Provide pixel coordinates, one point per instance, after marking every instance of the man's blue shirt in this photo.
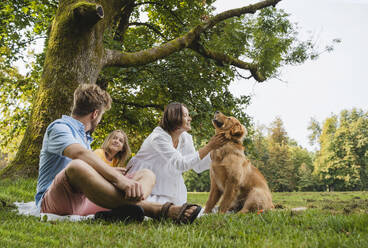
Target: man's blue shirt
(59, 134)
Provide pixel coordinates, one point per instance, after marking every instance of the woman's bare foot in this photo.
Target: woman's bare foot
(174, 212)
(184, 214)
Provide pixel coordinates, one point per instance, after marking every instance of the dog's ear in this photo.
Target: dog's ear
(237, 130)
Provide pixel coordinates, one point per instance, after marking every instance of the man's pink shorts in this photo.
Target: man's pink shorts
(62, 199)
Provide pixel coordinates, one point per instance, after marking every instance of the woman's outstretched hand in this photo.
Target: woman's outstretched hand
(217, 141)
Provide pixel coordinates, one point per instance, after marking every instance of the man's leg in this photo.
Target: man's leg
(145, 177)
(94, 186)
(84, 178)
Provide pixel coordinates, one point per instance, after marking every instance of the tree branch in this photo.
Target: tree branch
(163, 6)
(243, 77)
(142, 3)
(123, 25)
(140, 105)
(114, 11)
(118, 58)
(223, 59)
(250, 9)
(31, 40)
(150, 26)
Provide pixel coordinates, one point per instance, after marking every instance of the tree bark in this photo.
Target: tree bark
(74, 56)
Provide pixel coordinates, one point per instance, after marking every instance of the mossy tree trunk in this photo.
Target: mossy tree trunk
(75, 54)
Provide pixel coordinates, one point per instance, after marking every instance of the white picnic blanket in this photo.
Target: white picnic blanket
(30, 209)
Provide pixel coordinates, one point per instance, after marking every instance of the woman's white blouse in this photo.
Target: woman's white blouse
(158, 154)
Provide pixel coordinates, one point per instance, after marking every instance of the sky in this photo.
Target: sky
(318, 88)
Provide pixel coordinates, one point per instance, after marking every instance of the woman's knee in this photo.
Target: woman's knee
(147, 174)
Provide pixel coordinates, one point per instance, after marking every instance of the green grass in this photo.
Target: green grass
(335, 219)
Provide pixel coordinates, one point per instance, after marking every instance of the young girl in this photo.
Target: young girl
(115, 150)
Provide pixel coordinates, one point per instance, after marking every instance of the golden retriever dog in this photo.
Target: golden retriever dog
(241, 185)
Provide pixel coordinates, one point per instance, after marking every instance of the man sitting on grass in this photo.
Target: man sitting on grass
(69, 172)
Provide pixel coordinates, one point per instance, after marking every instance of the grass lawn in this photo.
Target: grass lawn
(333, 219)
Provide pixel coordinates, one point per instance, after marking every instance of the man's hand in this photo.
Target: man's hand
(121, 170)
(133, 190)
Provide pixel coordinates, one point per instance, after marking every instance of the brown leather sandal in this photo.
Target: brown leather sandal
(183, 219)
(164, 211)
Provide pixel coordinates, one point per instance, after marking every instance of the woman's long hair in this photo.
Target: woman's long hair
(122, 155)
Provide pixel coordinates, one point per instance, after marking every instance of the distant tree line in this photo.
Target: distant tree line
(340, 164)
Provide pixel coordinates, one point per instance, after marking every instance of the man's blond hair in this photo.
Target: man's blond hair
(88, 98)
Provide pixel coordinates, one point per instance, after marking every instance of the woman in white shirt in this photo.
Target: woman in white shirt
(169, 151)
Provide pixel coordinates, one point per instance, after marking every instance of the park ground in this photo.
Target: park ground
(332, 219)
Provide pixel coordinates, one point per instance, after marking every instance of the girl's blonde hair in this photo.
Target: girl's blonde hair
(122, 155)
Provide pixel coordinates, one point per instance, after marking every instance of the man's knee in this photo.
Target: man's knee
(76, 168)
